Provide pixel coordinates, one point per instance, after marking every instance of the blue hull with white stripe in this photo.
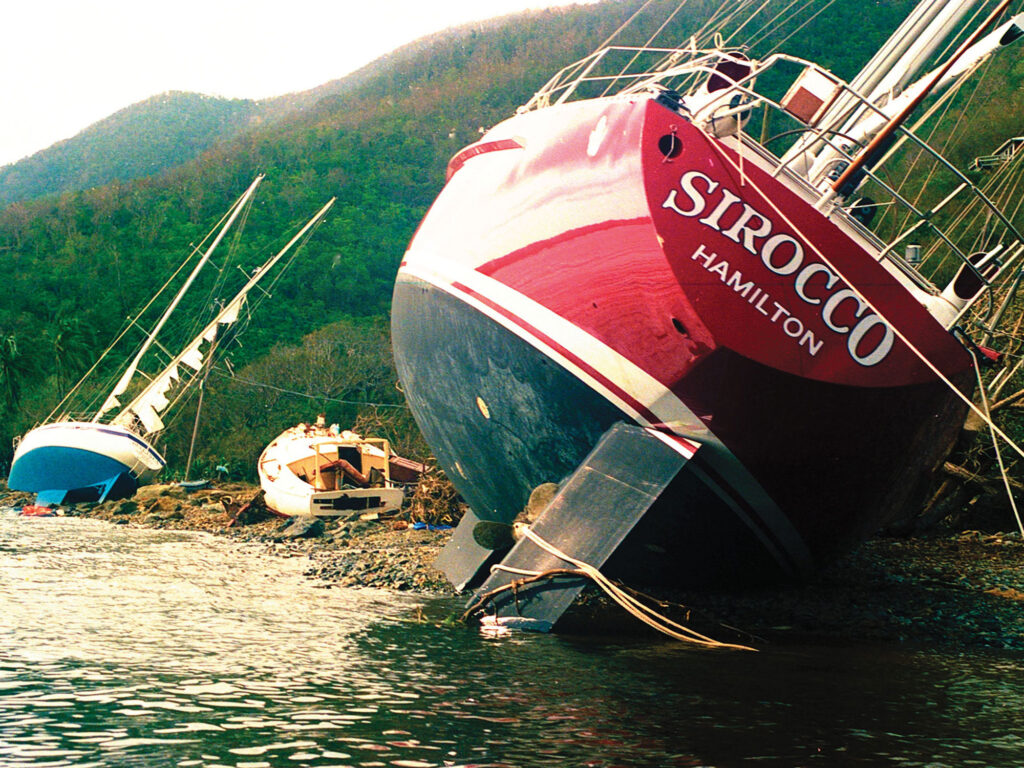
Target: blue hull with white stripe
(69, 462)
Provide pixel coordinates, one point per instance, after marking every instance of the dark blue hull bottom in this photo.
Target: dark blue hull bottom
(503, 418)
(61, 475)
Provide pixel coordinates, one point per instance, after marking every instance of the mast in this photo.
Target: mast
(126, 377)
(148, 404)
(893, 73)
(973, 51)
(891, 68)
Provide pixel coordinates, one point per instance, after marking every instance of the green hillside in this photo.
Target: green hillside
(141, 140)
(74, 266)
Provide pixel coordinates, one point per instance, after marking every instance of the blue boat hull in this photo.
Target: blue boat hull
(71, 462)
(61, 475)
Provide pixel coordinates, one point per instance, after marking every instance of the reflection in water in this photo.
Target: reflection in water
(124, 647)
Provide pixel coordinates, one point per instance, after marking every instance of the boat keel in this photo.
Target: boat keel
(591, 514)
(120, 486)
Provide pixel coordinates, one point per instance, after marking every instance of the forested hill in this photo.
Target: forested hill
(157, 134)
(74, 266)
(141, 140)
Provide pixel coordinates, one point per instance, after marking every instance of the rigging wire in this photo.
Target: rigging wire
(639, 51)
(211, 303)
(309, 396)
(995, 442)
(133, 321)
(185, 392)
(947, 103)
(947, 99)
(750, 18)
(714, 27)
(784, 40)
(773, 23)
(625, 24)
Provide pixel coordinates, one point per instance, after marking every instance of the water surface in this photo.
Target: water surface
(132, 647)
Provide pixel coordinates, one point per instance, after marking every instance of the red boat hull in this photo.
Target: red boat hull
(606, 260)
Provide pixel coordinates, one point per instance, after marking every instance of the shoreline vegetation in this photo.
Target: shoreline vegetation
(960, 589)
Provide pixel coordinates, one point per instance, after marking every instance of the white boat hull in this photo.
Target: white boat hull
(301, 473)
(331, 503)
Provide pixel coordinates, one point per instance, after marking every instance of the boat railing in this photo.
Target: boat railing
(950, 221)
(1004, 153)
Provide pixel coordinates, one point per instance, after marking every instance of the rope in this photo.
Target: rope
(634, 607)
(995, 444)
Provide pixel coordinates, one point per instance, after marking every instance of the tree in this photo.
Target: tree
(71, 347)
(14, 369)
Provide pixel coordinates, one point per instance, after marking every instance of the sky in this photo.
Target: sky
(66, 64)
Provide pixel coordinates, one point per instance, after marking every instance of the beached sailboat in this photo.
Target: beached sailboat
(111, 453)
(729, 369)
(313, 469)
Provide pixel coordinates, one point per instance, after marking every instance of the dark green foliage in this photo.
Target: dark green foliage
(343, 370)
(14, 371)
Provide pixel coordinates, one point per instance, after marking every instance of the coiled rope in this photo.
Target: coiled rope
(628, 602)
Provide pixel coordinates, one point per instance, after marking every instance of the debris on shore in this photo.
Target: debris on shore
(960, 589)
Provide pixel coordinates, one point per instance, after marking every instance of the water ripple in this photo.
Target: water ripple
(124, 647)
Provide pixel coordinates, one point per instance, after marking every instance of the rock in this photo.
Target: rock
(126, 507)
(147, 493)
(162, 506)
(161, 515)
(301, 527)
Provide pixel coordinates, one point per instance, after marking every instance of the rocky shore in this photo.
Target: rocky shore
(359, 549)
(959, 589)
(962, 589)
